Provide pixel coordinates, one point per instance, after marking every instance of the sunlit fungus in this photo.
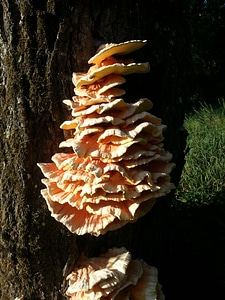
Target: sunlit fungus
(117, 166)
(113, 276)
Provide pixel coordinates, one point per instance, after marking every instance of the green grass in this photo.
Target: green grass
(203, 177)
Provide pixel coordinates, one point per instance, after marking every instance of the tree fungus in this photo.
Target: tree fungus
(117, 166)
(113, 276)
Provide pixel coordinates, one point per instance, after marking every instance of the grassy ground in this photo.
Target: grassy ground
(203, 178)
(196, 234)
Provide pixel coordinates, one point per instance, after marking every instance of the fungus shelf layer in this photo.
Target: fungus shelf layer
(118, 166)
(113, 275)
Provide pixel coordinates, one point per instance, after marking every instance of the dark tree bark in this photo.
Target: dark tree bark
(42, 43)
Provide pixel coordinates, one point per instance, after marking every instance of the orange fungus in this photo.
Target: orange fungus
(113, 275)
(117, 166)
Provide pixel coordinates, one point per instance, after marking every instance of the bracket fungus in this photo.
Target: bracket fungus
(113, 276)
(117, 166)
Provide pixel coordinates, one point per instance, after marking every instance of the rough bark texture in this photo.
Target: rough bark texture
(42, 43)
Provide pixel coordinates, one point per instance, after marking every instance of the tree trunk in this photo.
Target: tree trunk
(42, 43)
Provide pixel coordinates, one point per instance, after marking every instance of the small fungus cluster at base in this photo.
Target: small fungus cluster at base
(113, 276)
(117, 166)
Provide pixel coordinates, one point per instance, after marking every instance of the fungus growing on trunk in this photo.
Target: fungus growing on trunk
(117, 167)
(113, 276)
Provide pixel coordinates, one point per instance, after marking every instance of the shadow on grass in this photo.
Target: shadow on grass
(194, 266)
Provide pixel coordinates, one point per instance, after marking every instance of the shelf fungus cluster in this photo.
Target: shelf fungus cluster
(113, 276)
(117, 165)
